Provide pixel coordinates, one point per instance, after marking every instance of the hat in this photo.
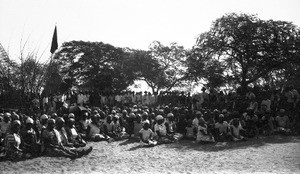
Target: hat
(71, 120)
(224, 111)
(124, 112)
(59, 119)
(198, 113)
(51, 120)
(71, 115)
(15, 116)
(146, 121)
(131, 115)
(170, 115)
(159, 117)
(16, 122)
(221, 116)
(44, 116)
(7, 114)
(29, 120)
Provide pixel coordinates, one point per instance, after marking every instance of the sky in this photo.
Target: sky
(122, 23)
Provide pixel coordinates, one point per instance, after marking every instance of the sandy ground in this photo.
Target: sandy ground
(266, 155)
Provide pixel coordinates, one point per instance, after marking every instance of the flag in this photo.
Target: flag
(54, 44)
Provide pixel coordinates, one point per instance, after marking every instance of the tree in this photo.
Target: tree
(247, 46)
(94, 65)
(169, 66)
(201, 67)
(19, 82)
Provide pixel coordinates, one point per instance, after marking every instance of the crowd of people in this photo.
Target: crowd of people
(207, 117)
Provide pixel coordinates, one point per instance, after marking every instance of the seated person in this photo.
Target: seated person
(4, 124)
(171, 127)
(83, 124)
(203, 136)
(30, 141)
(267, 124)
(13, 141)
(53, 143)
(170, 124)
(222, 129)
(161, 131)
(146, 135)
(60, 123)
(74, 136)
(118, 128)
(251, 124)
(94, 132)
(137, 125)
(190, 131)
(235, 129)
(282, 122)
(108, 127)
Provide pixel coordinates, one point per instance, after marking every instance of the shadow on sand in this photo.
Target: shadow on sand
(184, 145)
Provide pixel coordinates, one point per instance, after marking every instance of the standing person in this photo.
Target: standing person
(204, 98)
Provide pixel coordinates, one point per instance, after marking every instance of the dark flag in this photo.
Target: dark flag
(54, 44)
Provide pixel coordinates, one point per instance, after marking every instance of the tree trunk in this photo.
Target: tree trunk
(244, 86)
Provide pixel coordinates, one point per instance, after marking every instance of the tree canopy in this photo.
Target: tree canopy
(94, 65)
(247, 47)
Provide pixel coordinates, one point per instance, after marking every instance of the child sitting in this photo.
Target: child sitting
(235, 129)
(203, 136)
(161, 131)
(108, 127)
(251, 121)
(73, 135)
(83, 123)
(146, 135)
(118, 128)
(267, 122)
(222, 129)
(171, 127)
(190, 131)
(94, 130)
(137, 125)
(282, 123)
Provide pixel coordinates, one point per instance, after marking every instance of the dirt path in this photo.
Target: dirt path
(267, 155)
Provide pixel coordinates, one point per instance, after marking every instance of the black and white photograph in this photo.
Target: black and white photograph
(150, 86)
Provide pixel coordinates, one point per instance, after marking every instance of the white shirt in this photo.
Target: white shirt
(160, 128)
(146, 134)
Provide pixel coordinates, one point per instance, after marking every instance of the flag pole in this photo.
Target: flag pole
(53, 48)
